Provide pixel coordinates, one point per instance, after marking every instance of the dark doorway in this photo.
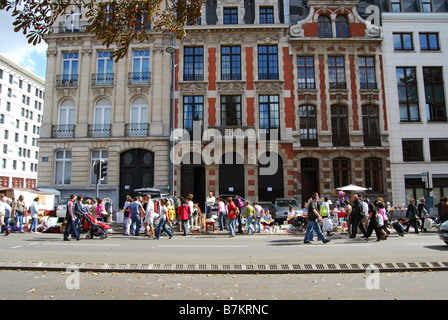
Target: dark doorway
(310, 177)
(193, 181)
(136, 171)
(231, 176)
(271, 186)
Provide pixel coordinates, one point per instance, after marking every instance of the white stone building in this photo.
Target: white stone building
(21, 109)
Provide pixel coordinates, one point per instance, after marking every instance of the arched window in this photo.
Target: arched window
(139, 118)
(66, 120)
(373, 174)
(324, 27)
(102, 117)
(341, 172)
(342, 27)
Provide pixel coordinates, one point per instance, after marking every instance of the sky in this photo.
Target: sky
(15, 47)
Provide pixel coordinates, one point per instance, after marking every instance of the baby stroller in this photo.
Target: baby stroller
(94, 227)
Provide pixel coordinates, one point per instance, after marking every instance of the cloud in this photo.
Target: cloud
(16, 48)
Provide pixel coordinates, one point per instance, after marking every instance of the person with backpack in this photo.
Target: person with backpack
(422, 213)
(240, 205)
(412, 215)
(327, 224)
(356, 217)
(373, 224)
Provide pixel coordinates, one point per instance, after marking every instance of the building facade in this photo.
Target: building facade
(21, 108)
(415, 42)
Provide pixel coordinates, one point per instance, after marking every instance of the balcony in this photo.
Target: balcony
(193, 77)
(98, 130)
(67, 81)
(137, 129)
(268, 76)
(338, 85)
(77, 26)
(102, 79)
(62, 131)
(139, 78)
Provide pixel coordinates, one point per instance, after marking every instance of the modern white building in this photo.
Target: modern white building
(21, 108)
(415, 52)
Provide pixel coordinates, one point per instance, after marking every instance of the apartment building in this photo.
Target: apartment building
(21, 110)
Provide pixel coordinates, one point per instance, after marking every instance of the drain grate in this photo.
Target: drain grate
(227, 268)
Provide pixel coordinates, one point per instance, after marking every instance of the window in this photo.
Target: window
(266, 15)
(341, 172)
(426, 6)
(373, 174)
(403, 42)
(267, 63)
(429, 41)
(231, 63)
(98, 155)
(407, 94)
(395, 5)
(438, 149)
(139, 118)
(367, 72)
(434, 93)
(305, 72)
(371, 126)
(104, 69)
(324, 27)
(102, 117)
(339, 126)
(308, 126)
(193, 111)
(66, 120)
(194, 64)
(413, 188)
(231, 110)
(70, 69)
(342, 27)
(230, 15)
(336, 72)
(412, 149)
(140, 68)
(63, 167)
(269, 114)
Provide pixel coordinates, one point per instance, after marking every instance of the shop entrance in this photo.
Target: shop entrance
(193, 182)
(271, 187)
(310, 177)
(136, 171)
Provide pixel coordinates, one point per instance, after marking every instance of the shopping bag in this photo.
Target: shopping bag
(327, 225)
(428, 223)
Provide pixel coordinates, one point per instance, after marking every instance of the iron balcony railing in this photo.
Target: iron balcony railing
(62, 131)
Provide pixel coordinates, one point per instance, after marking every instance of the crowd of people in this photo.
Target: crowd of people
(12, 213)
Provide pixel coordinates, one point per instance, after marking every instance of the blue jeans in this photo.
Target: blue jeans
(314, 226)
(221, 220)
(250, 228)
(162, 224)
(257, 223)
(19, 219)
(135, 224)
(68, 229)
(33, 225)
(232, 226)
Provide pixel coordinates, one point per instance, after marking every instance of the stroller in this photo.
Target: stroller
(94, 227)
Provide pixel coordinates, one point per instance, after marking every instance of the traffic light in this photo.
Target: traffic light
(96, 167)
(103, 170)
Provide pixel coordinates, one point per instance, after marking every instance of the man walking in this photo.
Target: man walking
(356, 217)
(71, 218)
(313, 225)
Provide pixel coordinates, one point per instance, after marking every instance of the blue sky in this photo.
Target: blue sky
(15, 47)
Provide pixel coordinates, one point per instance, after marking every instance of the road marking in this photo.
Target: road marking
(16, 247)
(200, 246)
(81, 244)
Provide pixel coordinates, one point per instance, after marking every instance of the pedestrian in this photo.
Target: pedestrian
(327, 224)
(171, 211)
(356, 217)
(238, 202)
(79, 213)
(411, 214)
(232, 213)
(70, 217)
(93, 207)
(19, 210)
(348, 212)
(257, 216)
(3, 213)
(443, 210)
(8, 210)
(148, 219)
(164, 219)
(209, 202)
(191, 205)
(250, 217)
(100, 211)
(381, 209)
(184, 214)
(136, 209)
(221, 213)
(127, 215)
(34, 211)
(372, 224)
(313, 225)
(422, 212)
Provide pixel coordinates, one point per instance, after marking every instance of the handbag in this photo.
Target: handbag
(104, 213)
(379, 220)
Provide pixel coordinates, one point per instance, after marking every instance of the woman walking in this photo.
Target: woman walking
(184, 213)
(34, 210)
(231, 213)
(164, 219)
(411, 214)
(371, 224)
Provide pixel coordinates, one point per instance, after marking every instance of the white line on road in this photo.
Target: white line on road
(16, 247)
(80, 244)
(200, 246)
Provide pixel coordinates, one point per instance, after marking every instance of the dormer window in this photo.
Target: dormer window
(342, 27)
(324, 27)
(230, 15)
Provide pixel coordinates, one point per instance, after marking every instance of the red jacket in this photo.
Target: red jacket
(183, 211)
(231, 210)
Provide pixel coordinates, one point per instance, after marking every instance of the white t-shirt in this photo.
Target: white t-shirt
(163, 212)
(210, 201)
(258, 209)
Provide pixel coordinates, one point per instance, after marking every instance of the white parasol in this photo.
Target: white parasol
(351, 187)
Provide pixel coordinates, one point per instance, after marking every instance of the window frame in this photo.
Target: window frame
(408, 85)
(305, 72)
(194, 64)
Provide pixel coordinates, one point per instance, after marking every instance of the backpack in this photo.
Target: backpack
(323, 211)
(240, 203)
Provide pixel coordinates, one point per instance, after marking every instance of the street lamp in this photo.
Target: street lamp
(171, 50)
